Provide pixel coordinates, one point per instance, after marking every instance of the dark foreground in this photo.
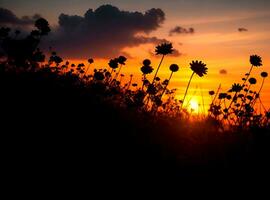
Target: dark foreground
(61, 134)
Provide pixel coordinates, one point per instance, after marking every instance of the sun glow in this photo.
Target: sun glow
(194, 106)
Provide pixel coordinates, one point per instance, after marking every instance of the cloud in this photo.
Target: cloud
(7, 17)
(180, 30)
(223, 71)
(104, 32)
(242, 29)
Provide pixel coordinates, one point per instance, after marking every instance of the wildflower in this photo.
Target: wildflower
(174, 67)
(199, 68)
(113, 63)
(236, 87)
(222, 96)
(255, 60)
(99, 76)
(122, 60)
(252, 81)
(146, 62)
(264, 74)
(90, 60)
(211, 93)
(147, 69)
(164, 49)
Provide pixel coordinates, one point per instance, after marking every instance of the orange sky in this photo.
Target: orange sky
(216, 40)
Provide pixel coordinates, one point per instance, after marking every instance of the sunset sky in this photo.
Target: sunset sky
(226, 33)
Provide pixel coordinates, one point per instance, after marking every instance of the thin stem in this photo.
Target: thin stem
(117, 74)
(166, 85)
(247, 76)
(258, 92)
(187, 90)
(158, 68)
(219, 87)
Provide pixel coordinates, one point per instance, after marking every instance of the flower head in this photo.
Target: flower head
(252, 81)
(147, 62)
(211, 93)
(236, 87)
(255, 60)
(147, 69)
(122, 60)
(174, 67)
(199, 68)
(113, 63)
(164, 49)
(264, 74)
(90, 60)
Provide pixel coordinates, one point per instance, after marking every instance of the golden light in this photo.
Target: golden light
(194, 106)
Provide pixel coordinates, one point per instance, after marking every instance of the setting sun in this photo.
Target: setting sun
(194, 106)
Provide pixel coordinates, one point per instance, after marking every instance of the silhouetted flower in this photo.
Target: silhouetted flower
(199, 68)
(122, 60)
(211, 93)
(222, 95)
(90, 60)
(146, 62)
(236, 87)
(113, 63)
(229, 97)
(164, 49)
(255, 60)
(147, 69)
(264, 74)
(99, 76)
(174, 68)
(252, 81)
(249, 97)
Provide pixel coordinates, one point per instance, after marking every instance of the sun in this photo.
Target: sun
(194, 106)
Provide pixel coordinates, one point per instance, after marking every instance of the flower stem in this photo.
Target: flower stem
(158, 68)
(166, 85)
(247, 76)
(187, 90)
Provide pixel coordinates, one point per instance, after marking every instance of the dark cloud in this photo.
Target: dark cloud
(223, 71)
(7, 17)
(104, 32)
(242, 29)
(181, 30)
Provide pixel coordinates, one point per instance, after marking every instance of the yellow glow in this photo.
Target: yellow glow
(194, 106)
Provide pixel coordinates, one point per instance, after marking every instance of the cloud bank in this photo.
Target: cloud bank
(104, 32)
(8, 18)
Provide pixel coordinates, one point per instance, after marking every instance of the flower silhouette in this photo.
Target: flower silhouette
(122, 60)
(174, 67)
(264, 74)
(164, 49)
(147, 69)
(199, 68)
(255, 60)
(236, 87)
(113, 63)
(252, 81)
